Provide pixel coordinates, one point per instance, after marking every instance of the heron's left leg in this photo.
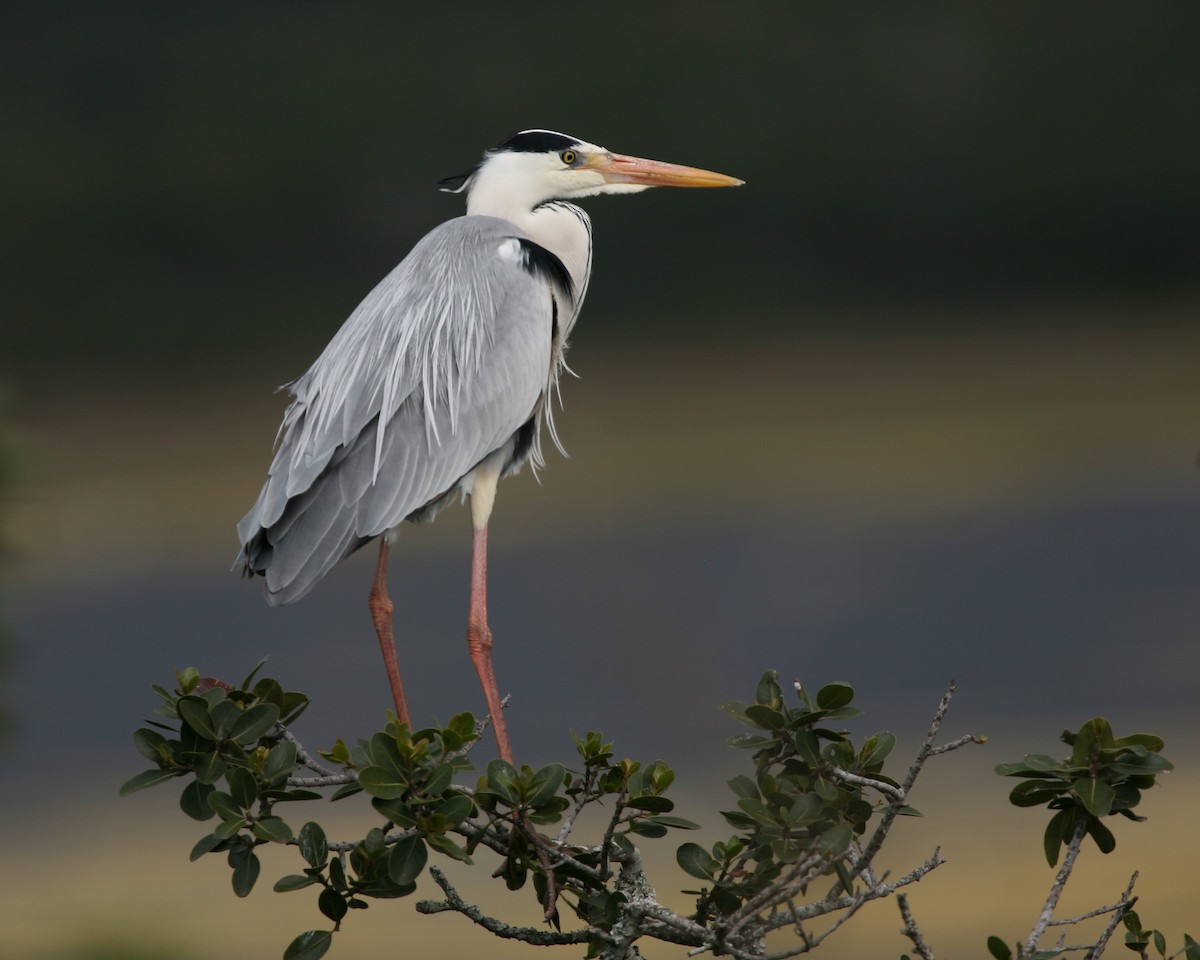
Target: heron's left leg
(479, 636)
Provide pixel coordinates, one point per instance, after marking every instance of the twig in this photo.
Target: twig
(306, 759)
(1123, 906)
(927, 750)
(777, 892)
(480, 725)
(1099, 911)
(1056, 888)
(830, 904)
(885, 788)
(455, 903)
(910, 928)
(329, 780)
(585, 796)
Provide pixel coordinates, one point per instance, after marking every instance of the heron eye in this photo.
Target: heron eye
(568, 157)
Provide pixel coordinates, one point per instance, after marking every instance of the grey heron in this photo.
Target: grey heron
(440, 381)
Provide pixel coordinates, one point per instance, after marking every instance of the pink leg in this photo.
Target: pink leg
(380, 606)
(479, 640)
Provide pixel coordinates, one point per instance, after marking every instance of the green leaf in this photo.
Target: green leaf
(999, 949)
(749, 741)
(768, 689)
(651, 804)
(147, 778)
(194, 801)
(545, 784)
(210, 767)
(1034, 793)
(765, 717)
(502, 780)
(439, 779)
(456, 808)
(758, 811)
(877, 748)
(444, 844)
(696, 862)
(224, 805)
(242, 787)
(254, 723)
(194, 712)
(463, 724)
(834, 695)
(187, 678)
(224, 712)
(205, 844)
(332, 904)
(678, 822)
(310, 945)
(245, 873)
(1191, 949)
(382, 783)
(293, 881)
(737, 710)
(743, 786)
(280, 761)
(836, 840)
(273, 829)
(1054, 835)
(1095, 795)
(1102, 835)
(407, 859)
(149, 743)
(313, 846)
(227, 829)
(251, 675)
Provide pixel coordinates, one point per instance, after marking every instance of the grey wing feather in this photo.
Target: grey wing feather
(442, 364)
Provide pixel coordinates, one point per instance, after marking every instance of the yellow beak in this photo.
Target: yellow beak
(617, 168)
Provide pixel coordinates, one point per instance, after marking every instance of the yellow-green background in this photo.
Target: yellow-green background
(920, 402)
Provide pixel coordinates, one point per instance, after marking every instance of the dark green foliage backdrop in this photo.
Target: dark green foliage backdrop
(221, 182)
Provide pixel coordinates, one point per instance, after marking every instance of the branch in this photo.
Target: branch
(885, 788)
(1056, 888)
(305, 758)
(455, 903)
(1122, 907)
(927, 750)
(329, 780)
(910, 928)
(796, 914)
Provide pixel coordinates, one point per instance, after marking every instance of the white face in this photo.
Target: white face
(533, 178)
(524, 179)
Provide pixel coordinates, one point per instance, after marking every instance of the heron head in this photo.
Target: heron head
(534, 166)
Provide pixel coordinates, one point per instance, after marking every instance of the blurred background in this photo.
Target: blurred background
(919, 402)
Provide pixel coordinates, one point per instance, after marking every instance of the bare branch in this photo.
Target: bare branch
(1122, 907)
(1056, 888)
(926, 751)
(306, 759)
(911, 930)
(328, 780)
(885, 788)
(584, 798)
(955, 744)
(831, 904)
(455, 903)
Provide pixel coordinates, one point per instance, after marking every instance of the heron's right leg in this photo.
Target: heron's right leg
(479, 634)
(380, 605)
